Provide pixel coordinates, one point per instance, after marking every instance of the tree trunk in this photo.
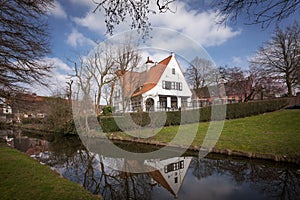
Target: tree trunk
(111, 94)
(289, 87)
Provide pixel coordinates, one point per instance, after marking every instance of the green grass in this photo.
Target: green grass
(21, 177)
(276, 133)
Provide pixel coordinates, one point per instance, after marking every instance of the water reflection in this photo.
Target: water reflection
(179, 177)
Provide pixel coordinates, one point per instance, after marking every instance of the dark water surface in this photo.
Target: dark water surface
(186, 177)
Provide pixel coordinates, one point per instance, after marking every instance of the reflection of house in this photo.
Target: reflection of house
(31, 146)
(160, 86)
(170, 173)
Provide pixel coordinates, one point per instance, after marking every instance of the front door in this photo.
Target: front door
(149, 105)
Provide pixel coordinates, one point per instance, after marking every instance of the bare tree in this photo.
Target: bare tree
(108, 93)
(23, 43)
(237, 83)
(263, 84)
(198, 73)
(127, 60)
(82, 95)
(138, 10)
(262, 12)
(101, 65)
(280, 56)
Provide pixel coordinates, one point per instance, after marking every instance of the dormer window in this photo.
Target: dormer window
(173, 70)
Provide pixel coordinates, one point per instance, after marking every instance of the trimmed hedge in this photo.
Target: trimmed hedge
(128, 121)
(34, 121)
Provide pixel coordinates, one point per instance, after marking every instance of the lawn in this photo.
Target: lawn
(22, 177)
(275, 133)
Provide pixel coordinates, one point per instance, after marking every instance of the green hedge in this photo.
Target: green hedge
(233, 111)
(33, 121)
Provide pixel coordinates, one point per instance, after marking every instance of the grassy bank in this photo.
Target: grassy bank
(21, 177)
(276, 133)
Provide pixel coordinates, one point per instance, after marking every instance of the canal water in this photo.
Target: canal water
(185, 177)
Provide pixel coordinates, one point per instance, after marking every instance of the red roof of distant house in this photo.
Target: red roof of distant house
(31, 97)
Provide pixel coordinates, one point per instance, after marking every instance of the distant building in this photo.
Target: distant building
(159, 86)
(224, 93)
(32, 106)
(6, 112)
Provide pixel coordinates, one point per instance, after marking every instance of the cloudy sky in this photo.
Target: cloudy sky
(74, 29)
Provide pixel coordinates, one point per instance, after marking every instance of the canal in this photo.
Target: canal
(185, 177)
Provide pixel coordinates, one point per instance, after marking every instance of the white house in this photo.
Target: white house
(160, 86)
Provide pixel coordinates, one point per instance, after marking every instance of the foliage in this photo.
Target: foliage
(241, 110)
(107, 110)
(24, 42)
(33, 121)
(60, 118)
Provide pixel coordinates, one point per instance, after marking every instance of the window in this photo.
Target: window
(173, 86)
(173, 70)
(168, 85)
(176, 179)
(174, 166)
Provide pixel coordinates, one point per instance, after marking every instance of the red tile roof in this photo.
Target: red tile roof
(144, 88)
(137, 83)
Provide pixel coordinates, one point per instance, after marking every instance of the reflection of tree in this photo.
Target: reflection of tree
(89, 170)
(69, 156)
(279, 183)
(274, 181)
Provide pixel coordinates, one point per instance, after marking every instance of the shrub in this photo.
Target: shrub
(34, 120)
(143, 119)
(107, 110)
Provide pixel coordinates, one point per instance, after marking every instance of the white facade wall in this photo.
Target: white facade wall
(158, 90)
(169, 76)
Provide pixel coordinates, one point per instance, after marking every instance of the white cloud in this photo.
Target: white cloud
(237, 61)
(57, 77)
(92, 21)
(58, 64)
(58, 11)
(76, 39)
(200, 26)
(87, 3)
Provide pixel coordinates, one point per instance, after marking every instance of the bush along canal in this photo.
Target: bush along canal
(185, 177)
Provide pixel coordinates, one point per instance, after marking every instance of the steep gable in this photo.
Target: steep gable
(137, 83)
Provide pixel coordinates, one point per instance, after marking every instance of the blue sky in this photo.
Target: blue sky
(74, 28)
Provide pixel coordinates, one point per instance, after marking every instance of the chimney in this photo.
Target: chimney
(172, 53)
(149, 63)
